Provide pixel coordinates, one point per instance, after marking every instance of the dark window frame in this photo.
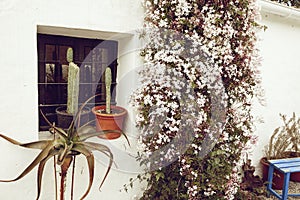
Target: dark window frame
(88, 55)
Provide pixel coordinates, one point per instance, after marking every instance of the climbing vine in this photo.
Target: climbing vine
(199, 79)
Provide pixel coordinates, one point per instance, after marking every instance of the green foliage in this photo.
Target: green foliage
(165, 184)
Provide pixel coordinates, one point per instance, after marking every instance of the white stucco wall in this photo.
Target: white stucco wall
(20, 20)
(279, 48)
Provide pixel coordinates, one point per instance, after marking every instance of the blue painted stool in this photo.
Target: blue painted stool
(286, 166)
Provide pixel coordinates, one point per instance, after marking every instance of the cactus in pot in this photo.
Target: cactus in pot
(65, 114)
(109, 117)
(107, 87)
(73, 84)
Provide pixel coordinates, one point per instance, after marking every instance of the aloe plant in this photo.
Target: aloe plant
(64, 147)
(107, 88)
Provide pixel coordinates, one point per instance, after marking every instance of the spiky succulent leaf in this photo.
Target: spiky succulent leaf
(85, 136)
(32, 145)
(91, 165)
(77, 116)
(86, 130)
(10, 139)
(40, 177)
(36, 145)
(106, 151)
(42, 155)
(41, 167)
(53, 128)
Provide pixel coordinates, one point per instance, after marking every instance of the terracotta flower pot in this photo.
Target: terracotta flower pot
(113, 121)
(64, 119)
(278, 177)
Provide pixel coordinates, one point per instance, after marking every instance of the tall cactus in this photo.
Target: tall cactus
(107, 87)
(73, 84)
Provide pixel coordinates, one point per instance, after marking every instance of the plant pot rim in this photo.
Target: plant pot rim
(62, 110)
(288, 154)
(101, 107)
(264, 160)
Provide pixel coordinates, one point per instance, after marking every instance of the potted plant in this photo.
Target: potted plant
(283, 144)
(109, 117)
(65, 114)
(64, 147)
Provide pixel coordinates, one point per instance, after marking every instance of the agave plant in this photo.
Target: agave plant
(64, 147)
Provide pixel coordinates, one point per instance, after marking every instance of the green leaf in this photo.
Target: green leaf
(159, 175)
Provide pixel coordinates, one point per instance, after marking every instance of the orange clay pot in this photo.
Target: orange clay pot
(113, 121)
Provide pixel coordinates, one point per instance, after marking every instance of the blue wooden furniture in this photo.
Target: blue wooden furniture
(286, 166)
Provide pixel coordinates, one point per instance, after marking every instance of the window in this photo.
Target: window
(91, 55)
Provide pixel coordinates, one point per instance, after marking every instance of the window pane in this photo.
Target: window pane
(50, 53)
(50, 73)
(89, 54)
(64, 77)
(63, 54)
